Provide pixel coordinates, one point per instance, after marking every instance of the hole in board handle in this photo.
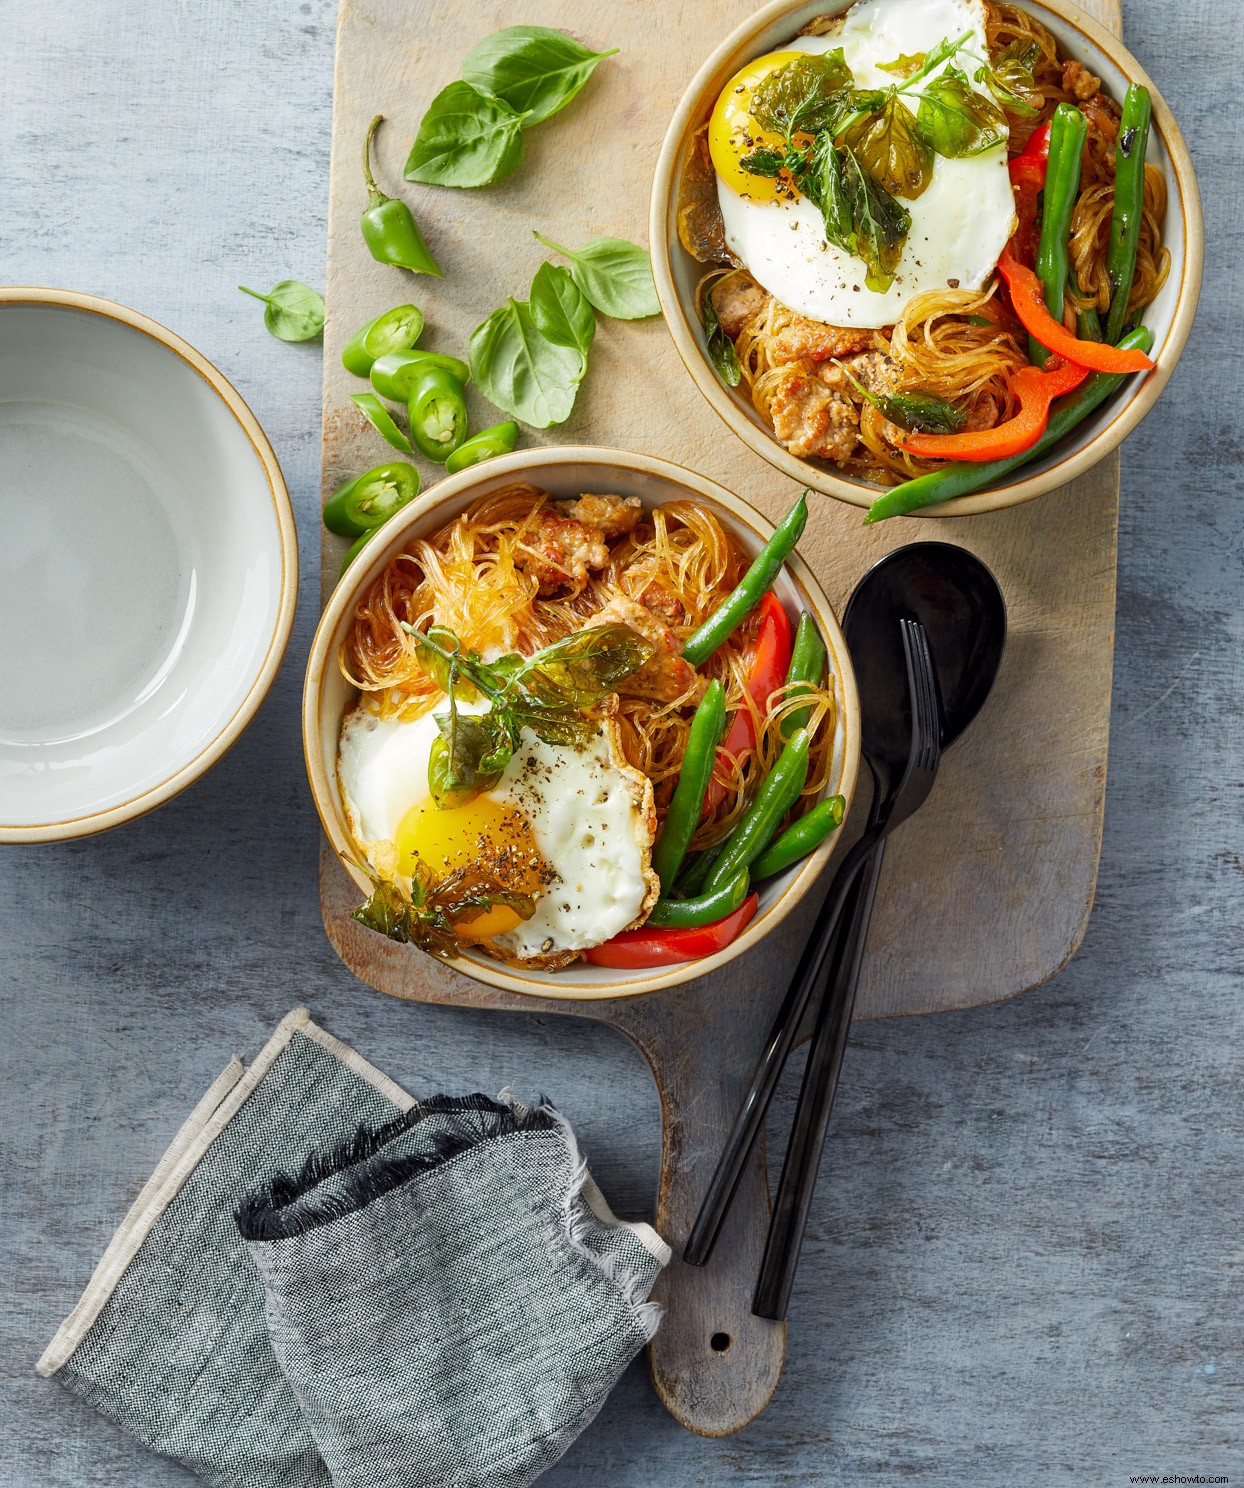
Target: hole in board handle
(720, 1342)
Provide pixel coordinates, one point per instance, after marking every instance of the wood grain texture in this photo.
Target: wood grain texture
(1027, 868)
(1024, 1259)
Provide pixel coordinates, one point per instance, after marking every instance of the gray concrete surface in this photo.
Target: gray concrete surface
(1024, 1263)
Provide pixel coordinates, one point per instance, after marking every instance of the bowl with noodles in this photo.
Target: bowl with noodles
(498, 716)
(855, 244)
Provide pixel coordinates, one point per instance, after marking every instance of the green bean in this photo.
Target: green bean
(807, 667)
(693, 878)
(684, 914)
(1088, 324)
(1068, 131)
(801, 838)
(1129, 203)
(778, 792)
(697, 767)
(964, 477)
(751, 589)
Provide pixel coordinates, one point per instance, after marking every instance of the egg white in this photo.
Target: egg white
(591, 816)
(959, 225)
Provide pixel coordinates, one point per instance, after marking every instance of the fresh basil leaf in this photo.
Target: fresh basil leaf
(585, 667)
(905, 65)
(1009, 78)
(955, 120)
(534, 69)
(889, 147)
(881, 224)
(804, 96)
(615, 275)
(561, 311)
(720, 348)
(466, 138)
(292, 311)
(521, 371)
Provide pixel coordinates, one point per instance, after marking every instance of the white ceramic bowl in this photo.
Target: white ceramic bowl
(148, 569)
(569, 472)
(1169, 317)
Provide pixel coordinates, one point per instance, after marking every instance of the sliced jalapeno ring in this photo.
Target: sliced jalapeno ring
(367, 501)
(499, 440)
(438, 414)
(396, 330)
(379, 417)
(394, 376)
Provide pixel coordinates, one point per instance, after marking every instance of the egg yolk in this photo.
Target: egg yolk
(733, 133)
(481, 834)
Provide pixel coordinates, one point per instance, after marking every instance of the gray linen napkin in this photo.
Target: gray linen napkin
(440, 1298)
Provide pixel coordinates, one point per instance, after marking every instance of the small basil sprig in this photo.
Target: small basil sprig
(466, 138)
(918, 413)
(546, 693)
(292, 311)
(472, 132)
(520, 370)
(560, 310)
(720, 348)
(616, 276)
(534, 69)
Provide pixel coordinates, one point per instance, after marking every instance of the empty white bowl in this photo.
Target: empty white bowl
(148, 565)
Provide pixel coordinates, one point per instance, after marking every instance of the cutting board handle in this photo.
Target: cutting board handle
(714, 1365)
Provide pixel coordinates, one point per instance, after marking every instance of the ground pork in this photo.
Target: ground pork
(564, 545)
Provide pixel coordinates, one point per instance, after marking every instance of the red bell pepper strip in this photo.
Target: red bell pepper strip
(767, 673)
(1028, 302)
(1035, 389)
(1027, 180)
(633, 949)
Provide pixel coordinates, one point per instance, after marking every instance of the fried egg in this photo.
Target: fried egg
(571, 828)
(959, 224)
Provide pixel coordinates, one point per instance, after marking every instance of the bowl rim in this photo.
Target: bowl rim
(156, 795)
(525, 464)
(663, 240)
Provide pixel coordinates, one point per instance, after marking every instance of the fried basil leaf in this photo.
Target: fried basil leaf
(905, 65)
(889, 147)
(438, 652)
(388, 912)
(429, 917)
(469, 757)
(719, 346)
(828, 190)
(803, 97)
(467, 893)
(918, 413)
(1009, 78)
(880, 223)
(955, 120)
(764, 162)
(583, 668)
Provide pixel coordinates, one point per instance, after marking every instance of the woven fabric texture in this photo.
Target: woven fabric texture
(439, 1303)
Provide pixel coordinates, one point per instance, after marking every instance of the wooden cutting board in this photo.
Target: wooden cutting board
(987, 892)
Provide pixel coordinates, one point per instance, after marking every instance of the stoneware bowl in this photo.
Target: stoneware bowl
(569, 472)
(1169, 317)
(148, 569)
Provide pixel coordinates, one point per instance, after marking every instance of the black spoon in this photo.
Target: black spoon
(957, 600)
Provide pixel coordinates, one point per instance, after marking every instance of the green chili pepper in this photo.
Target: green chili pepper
(394, 376)
(355, 548)
(801, 838)
(367, 501)
(1068, 131)
(388, 226)
(684, 914)
(1129, 203)
(807, 667)
(499, 440)
(379, 417)
(395, 330)
(752, 587)
(698, 760)
(438, 414)
(778, 792)
(964, 477)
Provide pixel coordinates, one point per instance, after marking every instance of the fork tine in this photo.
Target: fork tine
(926, 722)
